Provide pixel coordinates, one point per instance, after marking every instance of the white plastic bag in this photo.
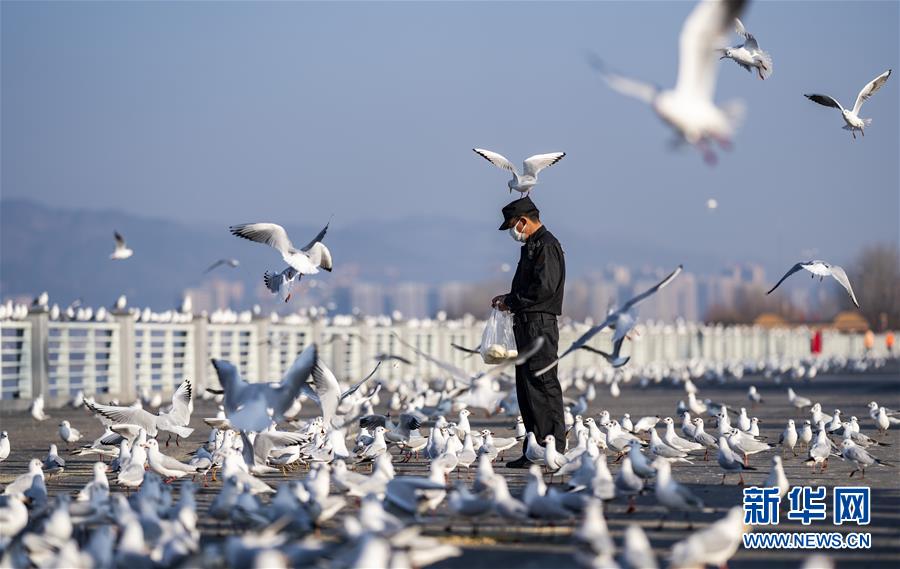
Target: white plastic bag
(498, 343)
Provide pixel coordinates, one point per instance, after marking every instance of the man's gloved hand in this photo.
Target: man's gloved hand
(499, 302)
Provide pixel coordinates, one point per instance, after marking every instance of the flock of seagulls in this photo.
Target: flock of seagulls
(688, 107)
(347, 449)
(351, 458)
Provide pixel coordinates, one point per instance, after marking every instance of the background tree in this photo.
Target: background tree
(875, 276)
(751, 301)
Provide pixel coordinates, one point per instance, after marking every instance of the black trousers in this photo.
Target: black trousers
(540, 398)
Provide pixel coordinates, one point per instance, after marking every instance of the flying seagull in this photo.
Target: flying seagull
(689, 108)
(306, 261)
(122, 251)
(748, 55)
(524, 182)
(175, 420)
(323, 387)
(253, 406)
(822, 270)
(233, 263)
(622, 320)
(851, 117)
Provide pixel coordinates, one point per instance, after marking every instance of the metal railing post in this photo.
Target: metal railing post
(127, 380)
(40, 357)
(201, 352)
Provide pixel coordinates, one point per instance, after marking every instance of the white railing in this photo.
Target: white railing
(15, 369)
(82, 356)
(283, 343)
(122, 358)
(163, 355)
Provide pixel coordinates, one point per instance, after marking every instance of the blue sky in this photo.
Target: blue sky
(231, 112)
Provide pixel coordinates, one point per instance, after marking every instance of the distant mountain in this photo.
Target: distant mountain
(66, 252)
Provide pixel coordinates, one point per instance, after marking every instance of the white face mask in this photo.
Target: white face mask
(517, 235)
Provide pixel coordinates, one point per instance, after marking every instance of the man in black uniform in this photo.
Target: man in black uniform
(535, 300)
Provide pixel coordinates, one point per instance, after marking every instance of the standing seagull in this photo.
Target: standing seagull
(233, 263)
(122, 251)
(306, 261)
(524, 182)
(748, 55)
(689, 107)
(622, 320)
(851, 117)
(822, 270)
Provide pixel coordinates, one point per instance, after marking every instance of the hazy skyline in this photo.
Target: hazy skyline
(289, 112)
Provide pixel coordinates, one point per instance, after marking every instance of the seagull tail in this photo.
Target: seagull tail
(765, 65)
(183, 432)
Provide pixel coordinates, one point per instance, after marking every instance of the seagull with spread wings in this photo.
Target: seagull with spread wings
(689, 107)
(253, 406)
(851, 116)
(175, 420)
(622, 320)
(748, 55)
(528, 179)
(305, 261)
(122, 251)
(323, 388)
(821, 269)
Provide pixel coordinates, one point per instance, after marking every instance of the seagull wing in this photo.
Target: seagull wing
(456, 372)
(652, 290)
(538, 162)
(624, 85)
(632, 87)
(270, 234)
(870, 89)
(751, 44)
(703, 31)
(282, 397)
(356, 387)
(181, 401)
(497, 160)
(318, 238)
(120, 241)
(476, 350)
(214, 265)
(327, 389)
(791, 271)
(841, 277)
(824, 100)
(320, 256)
(128, 415)
(249, 451)
(740, 30)
(593, 350)
(577, 344)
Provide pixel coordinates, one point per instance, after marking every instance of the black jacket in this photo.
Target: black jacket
(540, 276)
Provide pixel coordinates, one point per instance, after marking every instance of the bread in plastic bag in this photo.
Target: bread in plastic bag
(498, 343)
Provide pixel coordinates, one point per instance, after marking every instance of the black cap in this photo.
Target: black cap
(516, 209)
